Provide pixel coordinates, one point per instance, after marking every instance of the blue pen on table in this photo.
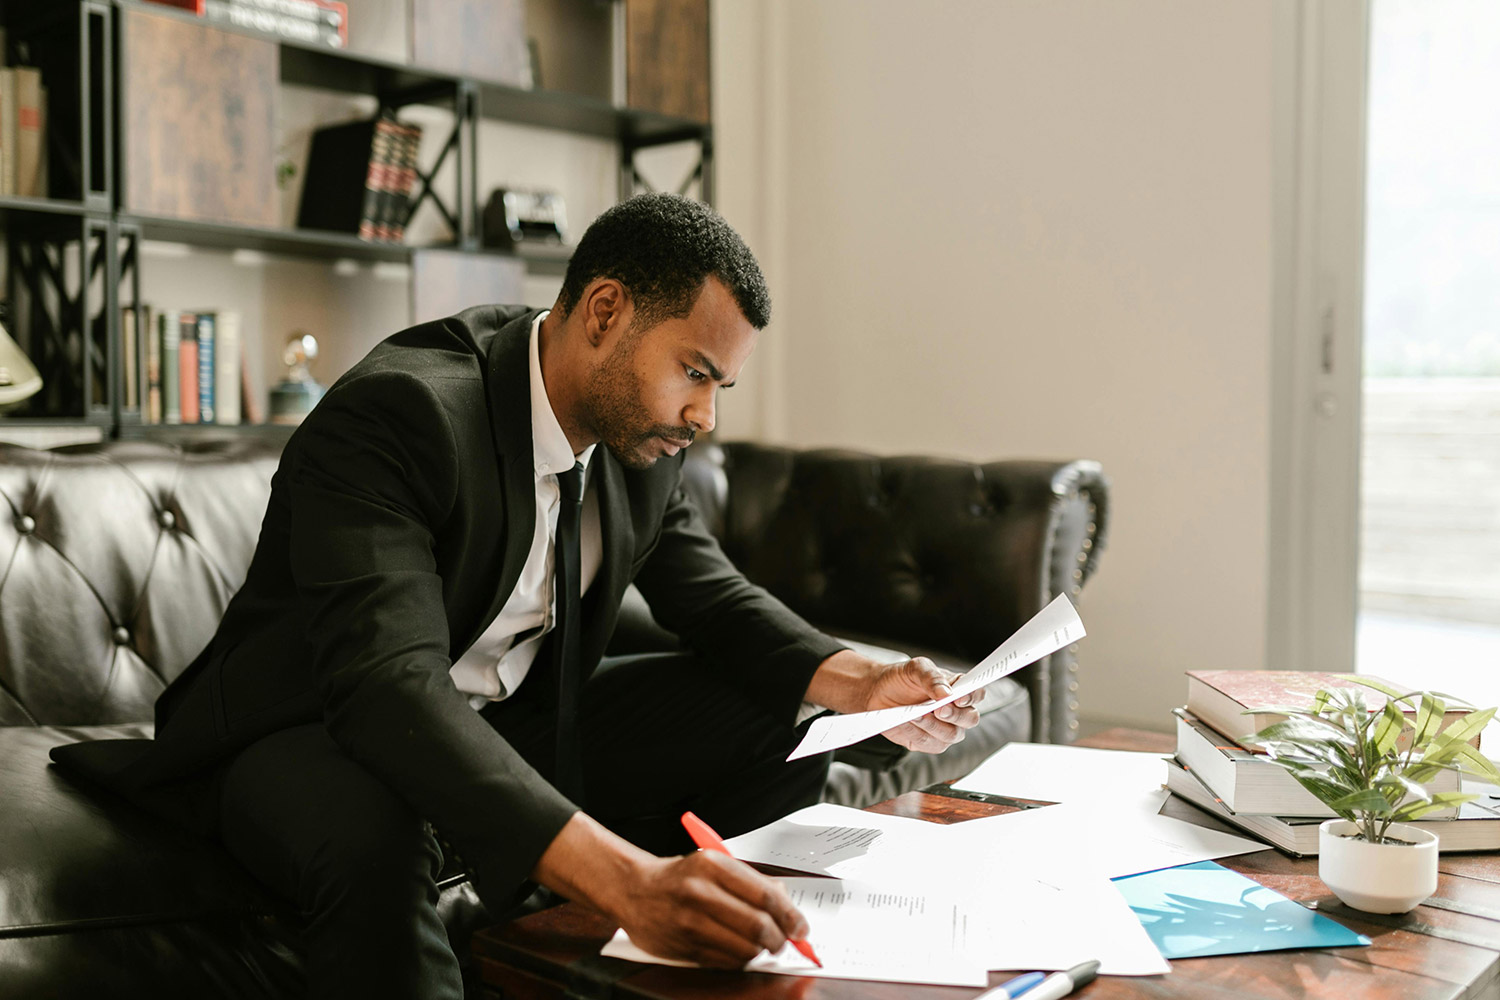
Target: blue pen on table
(1060, 984)
(1012, 988)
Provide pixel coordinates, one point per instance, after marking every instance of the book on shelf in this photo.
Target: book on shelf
(207, 349)
(353, 179)
(171, 380)
(188, 368)
(1221, 697)
(1249, 782)
(1477, 827)
(228, 359)
(130, 353)
(316, 22)
(153, 412)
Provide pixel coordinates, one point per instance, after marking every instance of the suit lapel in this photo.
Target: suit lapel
(508, 391)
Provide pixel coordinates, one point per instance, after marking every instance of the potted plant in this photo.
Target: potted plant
(1371, 768)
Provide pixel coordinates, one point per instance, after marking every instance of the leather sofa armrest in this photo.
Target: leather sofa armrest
(917, 551)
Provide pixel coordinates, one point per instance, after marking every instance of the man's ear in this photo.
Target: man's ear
(607, 309)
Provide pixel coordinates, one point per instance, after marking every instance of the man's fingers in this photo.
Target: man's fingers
(761, 908)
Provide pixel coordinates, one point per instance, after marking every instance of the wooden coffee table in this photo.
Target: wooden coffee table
(1447, 948)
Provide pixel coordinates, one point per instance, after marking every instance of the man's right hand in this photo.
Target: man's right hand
(710, 909)
(705, 907)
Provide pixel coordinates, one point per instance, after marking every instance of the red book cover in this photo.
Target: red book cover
(187, 366)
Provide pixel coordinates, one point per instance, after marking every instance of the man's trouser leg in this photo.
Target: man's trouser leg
(324, 833)
(662, 733)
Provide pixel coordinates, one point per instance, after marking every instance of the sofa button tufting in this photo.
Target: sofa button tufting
(167, 520)
(25, 524)
(121, 635)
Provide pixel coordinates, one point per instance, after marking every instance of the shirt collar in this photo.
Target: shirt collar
(551, 453)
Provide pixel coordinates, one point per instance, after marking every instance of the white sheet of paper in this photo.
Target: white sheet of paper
(826, 839)
(1090, 837)
(1054, 773)
(1058, 920)
(865, 932)
(1049, 630)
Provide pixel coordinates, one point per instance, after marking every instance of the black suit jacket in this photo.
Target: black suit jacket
(399, 520)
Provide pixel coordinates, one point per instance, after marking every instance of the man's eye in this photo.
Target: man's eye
(694, 375)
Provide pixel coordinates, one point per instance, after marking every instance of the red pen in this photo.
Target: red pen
(703, 835)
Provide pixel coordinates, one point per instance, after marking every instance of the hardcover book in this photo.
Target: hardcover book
(1221, 697)
(1248, 782)
(1477, 827)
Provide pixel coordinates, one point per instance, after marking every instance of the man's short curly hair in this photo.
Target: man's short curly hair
(662, 247)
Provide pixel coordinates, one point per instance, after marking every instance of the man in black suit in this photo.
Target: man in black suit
(386, 675)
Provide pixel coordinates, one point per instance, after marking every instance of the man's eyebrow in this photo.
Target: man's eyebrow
(701, 360)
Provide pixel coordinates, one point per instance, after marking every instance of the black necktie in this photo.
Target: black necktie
(569, 770)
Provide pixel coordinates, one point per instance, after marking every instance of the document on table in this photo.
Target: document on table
(1049, 630)
(1054, 773)
(862, 931)
(826, 839)
(1036, 919)
(1057, 920)
(1094, 837)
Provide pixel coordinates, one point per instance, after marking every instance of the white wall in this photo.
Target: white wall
(1034, 228)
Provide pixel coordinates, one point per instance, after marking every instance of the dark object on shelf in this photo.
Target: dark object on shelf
(514, 216)
(359, 178)
(294, 396)
(479, 38)
(666, 57)
(198, 106)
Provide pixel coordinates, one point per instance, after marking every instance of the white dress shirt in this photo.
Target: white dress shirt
(494, 667)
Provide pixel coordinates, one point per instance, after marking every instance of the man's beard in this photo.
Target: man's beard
(612, 397)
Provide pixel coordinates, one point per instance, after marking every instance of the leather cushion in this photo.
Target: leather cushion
(77, 857)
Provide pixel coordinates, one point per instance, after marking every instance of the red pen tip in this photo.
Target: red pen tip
(807, 952)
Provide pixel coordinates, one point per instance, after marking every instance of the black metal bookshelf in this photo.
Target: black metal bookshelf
(80, 250)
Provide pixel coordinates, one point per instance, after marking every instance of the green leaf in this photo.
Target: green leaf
(1429, 720)
(1392, 722)
(1461, 731)
(1325, 790)
(1409, 789)
(1372, 684)
(1303, 728)
(1366, 800)
(1480, 766)
(1443, 800)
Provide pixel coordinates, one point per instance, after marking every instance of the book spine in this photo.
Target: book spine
(130, 356)
(9, 135)
(206, 345)
(187, 366)
(153, 368)
(387, 139)
(369, 215)
(410, 147)
(29, 134)
(315, 25)
(227, 358)
(171, 379)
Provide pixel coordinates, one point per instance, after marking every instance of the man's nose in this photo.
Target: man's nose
(700, 414)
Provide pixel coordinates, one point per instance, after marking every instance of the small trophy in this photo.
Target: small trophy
(295, 395)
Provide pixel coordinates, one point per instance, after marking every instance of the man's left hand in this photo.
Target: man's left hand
(848, 682)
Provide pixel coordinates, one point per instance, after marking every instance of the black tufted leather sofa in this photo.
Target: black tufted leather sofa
(119, 558)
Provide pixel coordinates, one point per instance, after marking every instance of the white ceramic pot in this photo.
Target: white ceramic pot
(1378, 878)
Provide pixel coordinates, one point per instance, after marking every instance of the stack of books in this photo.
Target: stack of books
(193, 368)
(360, 177)
(1219, 769)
